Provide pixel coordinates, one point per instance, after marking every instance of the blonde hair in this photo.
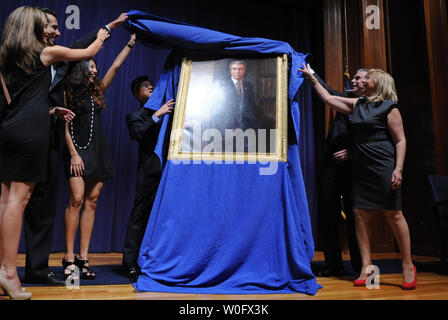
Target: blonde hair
(384, 84)
(22, 40)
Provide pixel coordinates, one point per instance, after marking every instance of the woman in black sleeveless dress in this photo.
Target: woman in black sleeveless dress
(87, 158)
(378, 153)
(25, 125)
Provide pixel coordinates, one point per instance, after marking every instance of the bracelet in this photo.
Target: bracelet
(313, 81)
(401, 169)
(130, 46)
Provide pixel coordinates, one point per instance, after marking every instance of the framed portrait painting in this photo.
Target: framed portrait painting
(232, 109)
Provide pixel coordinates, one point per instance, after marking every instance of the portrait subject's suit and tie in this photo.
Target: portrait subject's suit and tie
(232, 107)
(229, 119)
(234, 110)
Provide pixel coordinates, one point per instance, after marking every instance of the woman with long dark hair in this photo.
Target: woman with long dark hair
(87, 159)
(25, 125)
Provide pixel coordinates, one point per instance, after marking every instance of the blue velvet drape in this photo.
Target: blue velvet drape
(224, 228)
(294, 25)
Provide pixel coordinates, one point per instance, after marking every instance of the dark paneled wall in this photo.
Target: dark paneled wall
(409, 56)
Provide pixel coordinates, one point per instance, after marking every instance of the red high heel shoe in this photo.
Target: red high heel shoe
(359, 283)
(362, 283)
(411, 285)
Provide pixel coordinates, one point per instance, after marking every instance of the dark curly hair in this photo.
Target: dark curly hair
(78, 86)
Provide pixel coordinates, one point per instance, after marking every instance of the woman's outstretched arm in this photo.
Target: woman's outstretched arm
(341, 104)
(54, 54)
(111, 73)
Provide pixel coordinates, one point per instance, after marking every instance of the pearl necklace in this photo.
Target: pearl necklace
(91, 128)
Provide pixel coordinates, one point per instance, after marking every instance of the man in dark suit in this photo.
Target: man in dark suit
(41, 209)
(144, 126)
(232, 104)
(335, 187)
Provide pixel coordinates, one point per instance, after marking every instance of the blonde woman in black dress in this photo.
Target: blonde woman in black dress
(87, 159)
(25, 127)
(378, 153)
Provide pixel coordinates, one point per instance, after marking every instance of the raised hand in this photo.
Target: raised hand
(166, 108)
(132, 39)
(102, 34)
(306, 70)
(119, 21)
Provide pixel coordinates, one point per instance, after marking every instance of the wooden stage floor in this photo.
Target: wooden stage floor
(430, 286)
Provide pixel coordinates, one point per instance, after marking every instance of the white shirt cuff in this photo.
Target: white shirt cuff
(156, 119)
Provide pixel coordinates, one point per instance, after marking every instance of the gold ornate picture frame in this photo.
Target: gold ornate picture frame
(211, 102)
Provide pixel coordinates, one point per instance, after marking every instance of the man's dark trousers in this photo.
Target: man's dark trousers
(335, 181)
(39, 219)
(148, 179)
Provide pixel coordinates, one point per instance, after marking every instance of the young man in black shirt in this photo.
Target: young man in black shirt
(144, 127)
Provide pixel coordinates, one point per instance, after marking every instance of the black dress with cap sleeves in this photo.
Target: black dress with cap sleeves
(373, 157)
(90, 142)
(25, 126)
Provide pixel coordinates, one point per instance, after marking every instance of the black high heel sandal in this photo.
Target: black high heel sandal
(66, 265)
(81, 264)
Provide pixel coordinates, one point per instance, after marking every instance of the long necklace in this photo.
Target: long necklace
(91, 128)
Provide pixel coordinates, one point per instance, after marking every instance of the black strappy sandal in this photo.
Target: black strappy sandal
(81, 264)
(66, 265)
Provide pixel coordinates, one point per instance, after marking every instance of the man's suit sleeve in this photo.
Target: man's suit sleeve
(3, 104)
(139, 123)
(250, 119)
(329, 89)
(85, 41)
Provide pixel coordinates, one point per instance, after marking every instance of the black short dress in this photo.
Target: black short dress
(373, 157)
(90, 142)
(25, 126)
